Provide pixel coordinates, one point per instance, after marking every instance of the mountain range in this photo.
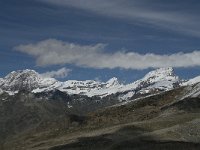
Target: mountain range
(162, 79)
(159, 111)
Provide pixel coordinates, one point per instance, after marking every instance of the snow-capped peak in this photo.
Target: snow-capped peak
(162, 78)
(159, 79)
(160, 74)
(27, 72)
(112, 82)
(24, 80)
(21, 79)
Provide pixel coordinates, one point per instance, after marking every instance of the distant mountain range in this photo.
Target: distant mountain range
(162, 79)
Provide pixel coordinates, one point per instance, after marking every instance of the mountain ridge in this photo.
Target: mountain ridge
(162, 79)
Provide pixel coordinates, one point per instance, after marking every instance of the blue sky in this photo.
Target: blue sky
(99, 39)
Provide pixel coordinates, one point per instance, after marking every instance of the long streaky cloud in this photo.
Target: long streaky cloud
(139, 11)
(56, 52)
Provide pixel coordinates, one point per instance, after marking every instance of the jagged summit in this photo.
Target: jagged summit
(112, 82)
(162, 77)
(165, 71)
(21, 73)
(23, 80)
(160, 73)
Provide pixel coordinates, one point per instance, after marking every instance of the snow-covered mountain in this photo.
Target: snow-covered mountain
(32, 81)
(162, 79)
(25, 80)
(89, 87)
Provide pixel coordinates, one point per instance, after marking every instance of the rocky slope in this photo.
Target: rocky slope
(167, 120)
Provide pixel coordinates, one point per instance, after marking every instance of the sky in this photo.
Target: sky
(100, 39)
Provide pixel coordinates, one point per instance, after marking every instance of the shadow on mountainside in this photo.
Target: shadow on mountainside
(188, 105)
(126, 138)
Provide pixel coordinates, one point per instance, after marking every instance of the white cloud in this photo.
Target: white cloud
(139, 11)
(55, 52)
(61, 73)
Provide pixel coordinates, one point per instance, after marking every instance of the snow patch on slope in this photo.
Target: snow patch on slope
(192, 91)
(126, 96)
(192, 81)
(1, 91)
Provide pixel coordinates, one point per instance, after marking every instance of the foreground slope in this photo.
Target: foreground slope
(168, 120)
(158, 111)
